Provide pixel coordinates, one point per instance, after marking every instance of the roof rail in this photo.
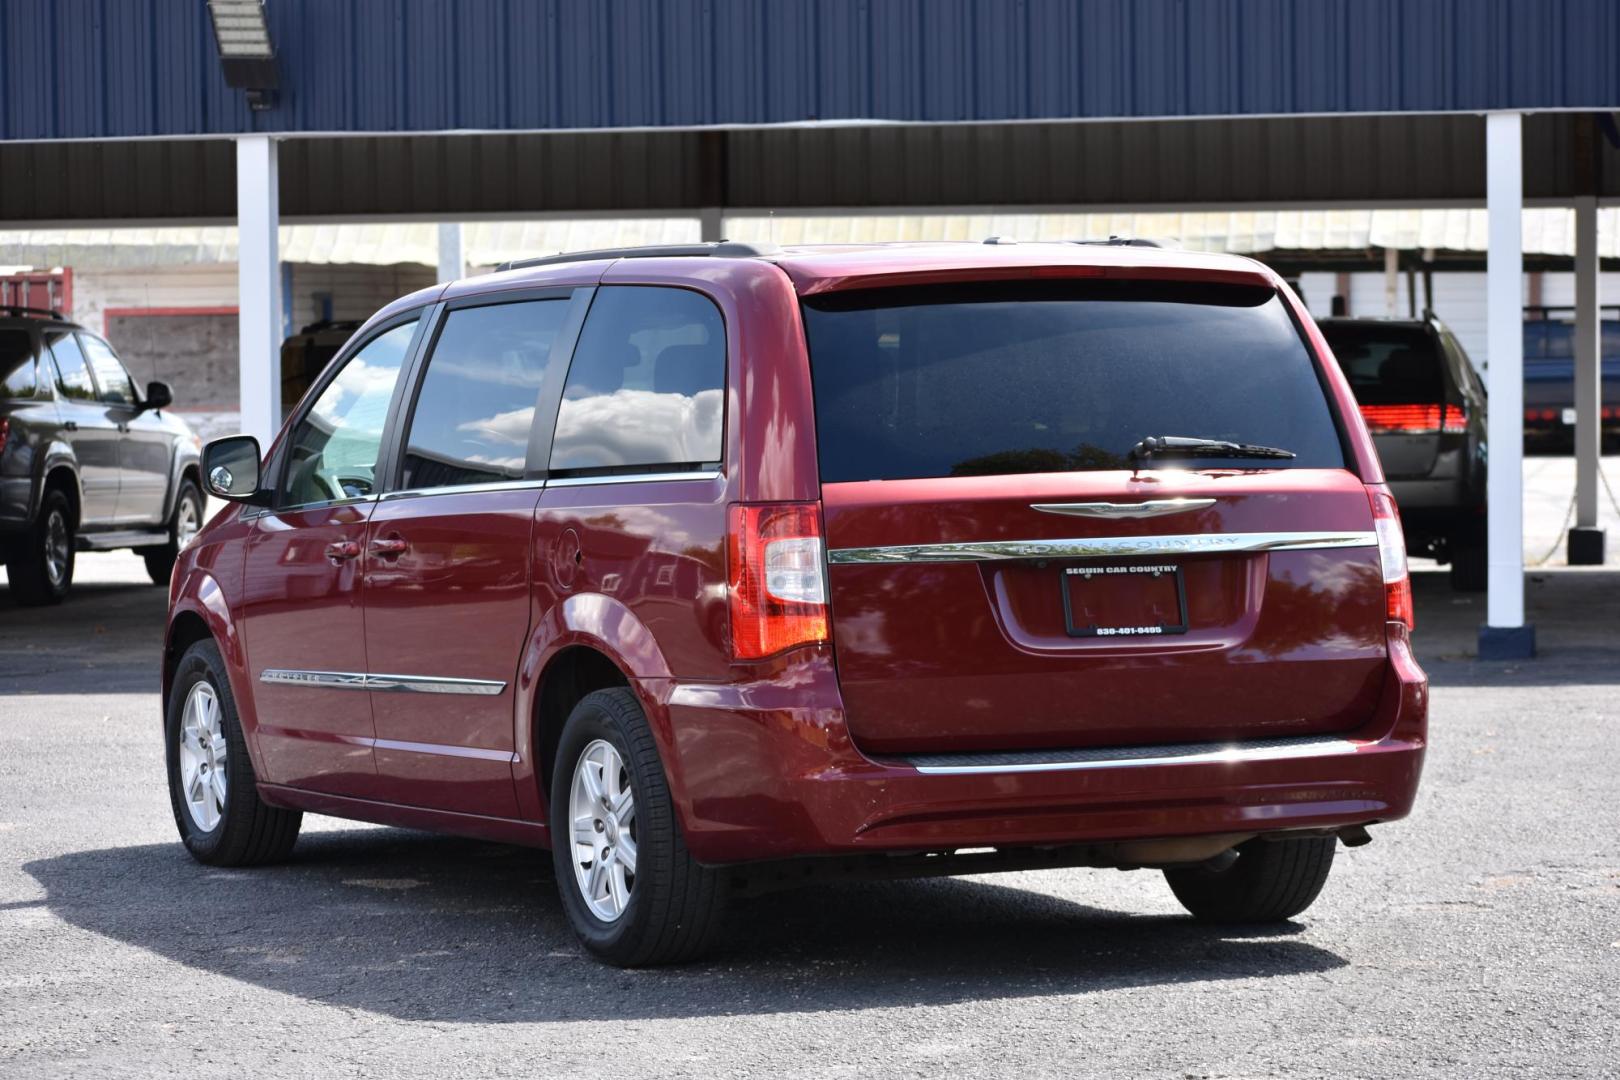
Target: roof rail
(1120, 241)
(18, 311)
(724, 249)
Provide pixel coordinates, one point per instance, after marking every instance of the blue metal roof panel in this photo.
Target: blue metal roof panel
(113, 68)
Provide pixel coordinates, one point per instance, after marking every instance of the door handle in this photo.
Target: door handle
(70, 425)
(124, 428)
(392, 547)
(338, 550)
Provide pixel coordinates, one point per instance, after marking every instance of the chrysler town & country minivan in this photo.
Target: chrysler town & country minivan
(717, 568)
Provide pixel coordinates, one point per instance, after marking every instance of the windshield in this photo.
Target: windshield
(1052, 377)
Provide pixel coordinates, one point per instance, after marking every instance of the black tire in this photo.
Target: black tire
(1271, 881)
(675, 906)
(1469, 568)
(40, 564)
(248, 832)
(160, 560)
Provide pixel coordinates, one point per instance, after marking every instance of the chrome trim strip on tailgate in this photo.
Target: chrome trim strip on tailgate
(1104, 546)
(355, 680)
(1144, 509)
(1129, 757)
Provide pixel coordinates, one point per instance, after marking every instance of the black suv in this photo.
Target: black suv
(86, 462)
(1425, 406)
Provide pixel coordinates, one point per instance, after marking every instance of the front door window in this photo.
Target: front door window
(336, 445)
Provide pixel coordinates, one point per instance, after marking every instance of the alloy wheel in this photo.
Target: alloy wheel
(57, 548)
(602, 809)
(186, 522)
(202, 757)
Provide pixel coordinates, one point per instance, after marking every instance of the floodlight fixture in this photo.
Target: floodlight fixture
(246, 53)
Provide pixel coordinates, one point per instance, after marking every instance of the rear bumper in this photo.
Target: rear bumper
(767, 770)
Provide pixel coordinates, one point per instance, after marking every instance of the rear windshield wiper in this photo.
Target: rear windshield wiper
(1183, 446)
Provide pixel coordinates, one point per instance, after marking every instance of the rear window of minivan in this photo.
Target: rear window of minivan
(996, 378)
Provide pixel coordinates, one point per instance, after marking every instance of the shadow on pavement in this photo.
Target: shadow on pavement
(1573, 611)
(104, 638)
(432, 928)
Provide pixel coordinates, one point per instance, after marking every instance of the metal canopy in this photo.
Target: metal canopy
(1281, 162)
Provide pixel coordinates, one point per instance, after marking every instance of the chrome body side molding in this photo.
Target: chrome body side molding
(1104, 547)
(1148, 508)
(435, 684)
(325, 680)
(1129, 757)
(356, 680)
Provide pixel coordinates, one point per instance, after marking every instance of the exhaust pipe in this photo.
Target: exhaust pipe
(1355, 836)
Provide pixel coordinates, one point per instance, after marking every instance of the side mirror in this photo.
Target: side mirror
(158, 395)
(230, 467)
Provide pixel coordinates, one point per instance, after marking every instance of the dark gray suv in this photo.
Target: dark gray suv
(1425, 406)
(87, 463)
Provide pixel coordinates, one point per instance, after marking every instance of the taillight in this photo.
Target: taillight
(1416, 419)
(1392, 556)
(5, 432)
(777, 578)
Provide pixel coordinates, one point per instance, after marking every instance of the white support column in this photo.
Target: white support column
(258, 286)
(1505, 634)
(1392, 282)
(1586, 539)
(711, 224)
(452, 256)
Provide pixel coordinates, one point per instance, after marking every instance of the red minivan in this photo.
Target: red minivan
(719, 568)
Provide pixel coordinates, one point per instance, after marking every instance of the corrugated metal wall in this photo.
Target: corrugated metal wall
(110, 68)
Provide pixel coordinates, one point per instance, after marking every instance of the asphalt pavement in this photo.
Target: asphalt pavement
(1480, 937)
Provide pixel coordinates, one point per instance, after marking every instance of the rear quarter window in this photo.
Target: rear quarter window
(646, 389)
(1015, 378)
(17, 364)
